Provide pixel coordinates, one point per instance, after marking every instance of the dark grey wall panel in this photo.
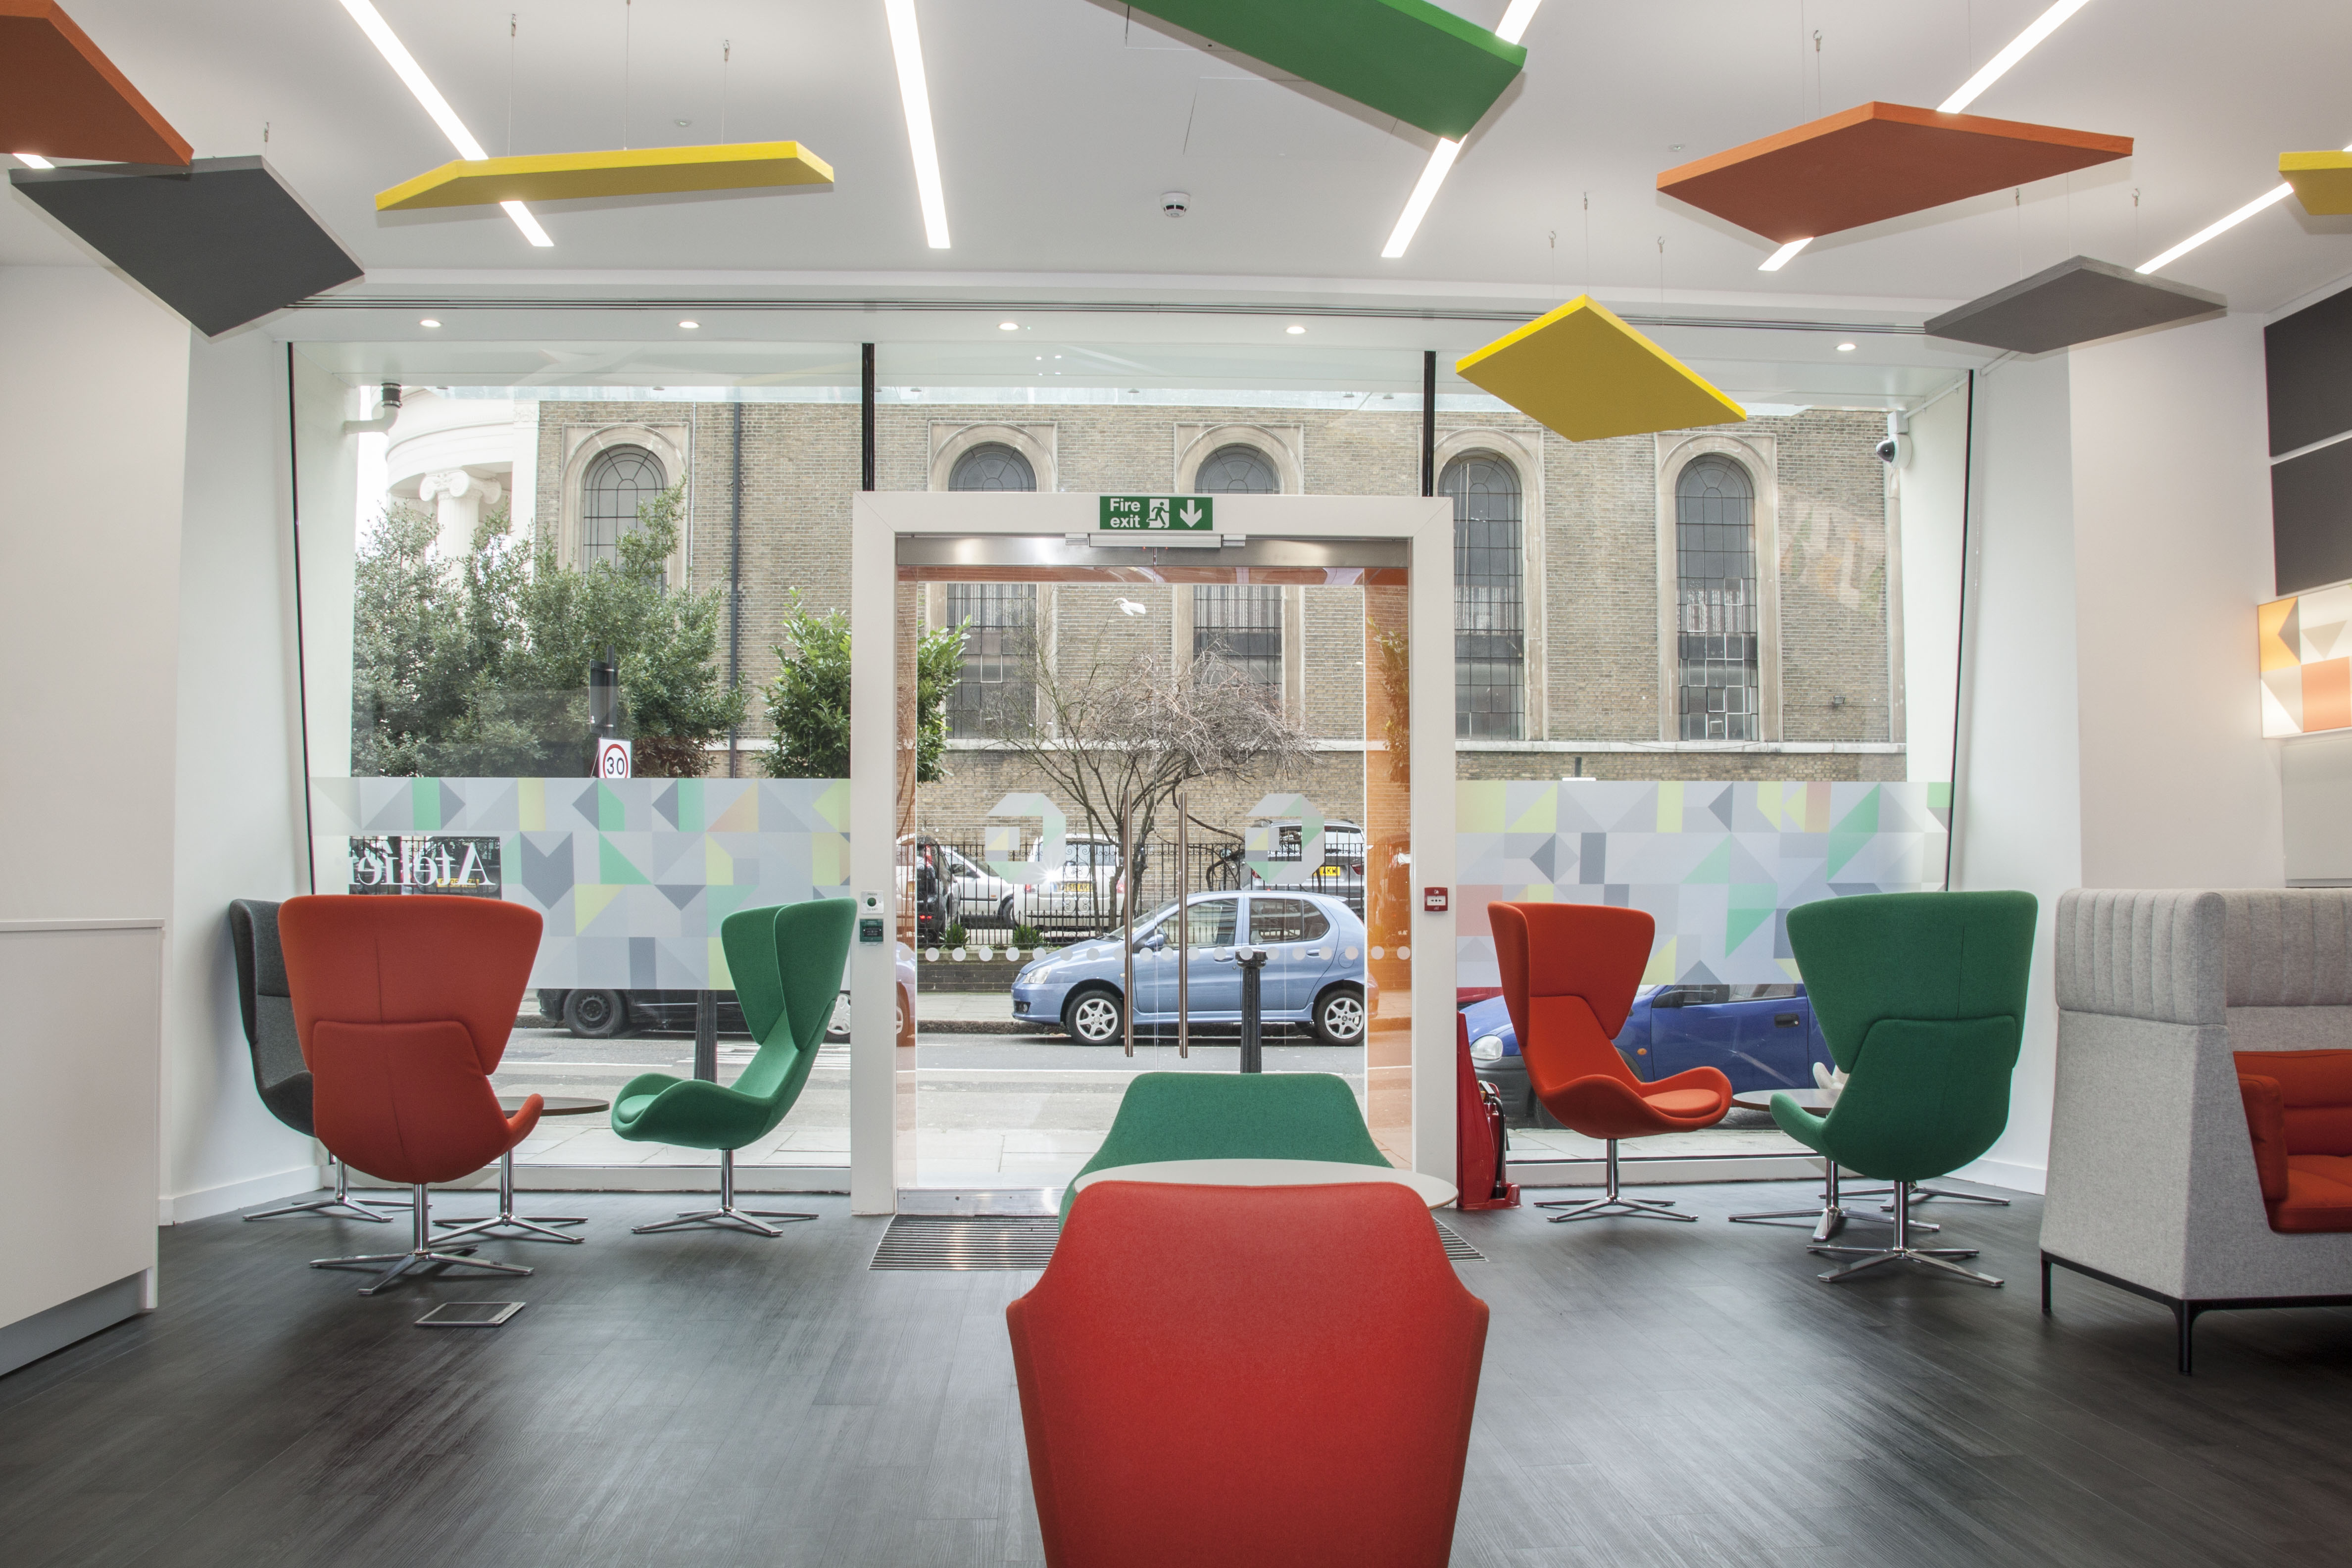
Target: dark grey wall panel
(2309, 355)
(2311, 518)
(223, 242)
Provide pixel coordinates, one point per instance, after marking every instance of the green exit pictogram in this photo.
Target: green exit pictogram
(1159, 514)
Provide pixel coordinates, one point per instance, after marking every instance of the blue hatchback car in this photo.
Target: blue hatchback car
(1314, 975)
(1762, 1036)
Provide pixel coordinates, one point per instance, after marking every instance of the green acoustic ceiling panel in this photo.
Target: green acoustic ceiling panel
(1407, 58)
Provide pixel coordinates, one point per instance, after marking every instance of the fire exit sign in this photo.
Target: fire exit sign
(1158, 514)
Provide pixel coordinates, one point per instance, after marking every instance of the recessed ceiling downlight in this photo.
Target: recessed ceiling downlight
(690, 326)
(1294, 329)
(1845, 348)
(1008, 326)
(428, 321)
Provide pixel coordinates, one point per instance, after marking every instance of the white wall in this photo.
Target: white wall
(93, 410)
(2019, 817)
(2111, 734)
(239, 776)
(2172, 546)
(1929, 491)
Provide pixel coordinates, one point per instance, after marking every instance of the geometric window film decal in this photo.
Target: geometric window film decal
(2305, 652)
(1718, 866)
(632, 877)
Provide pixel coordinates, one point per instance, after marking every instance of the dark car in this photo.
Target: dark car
(1761, 1037)
(600, 1014)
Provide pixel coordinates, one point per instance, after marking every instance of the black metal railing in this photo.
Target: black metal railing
(1082, 900)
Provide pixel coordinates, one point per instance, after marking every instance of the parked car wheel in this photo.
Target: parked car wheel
(1005, 910)
(836, 1028)
(1093, 1016)
(595, 1015)
(1339, 1015)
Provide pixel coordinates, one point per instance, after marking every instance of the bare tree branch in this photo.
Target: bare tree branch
(1125, 735)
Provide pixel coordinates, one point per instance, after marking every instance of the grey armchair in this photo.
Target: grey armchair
(2152, 1182)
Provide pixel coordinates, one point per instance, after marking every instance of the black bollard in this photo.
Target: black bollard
(706, 1036)
(1253, 962)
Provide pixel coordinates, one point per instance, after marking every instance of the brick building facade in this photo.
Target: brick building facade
(1599, 559)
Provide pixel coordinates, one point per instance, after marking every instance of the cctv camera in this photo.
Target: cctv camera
(1895, 450)
(1175, 204)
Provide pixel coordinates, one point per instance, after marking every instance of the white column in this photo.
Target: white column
(457, 499)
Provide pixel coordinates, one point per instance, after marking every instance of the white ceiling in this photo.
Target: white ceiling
(1060, 122)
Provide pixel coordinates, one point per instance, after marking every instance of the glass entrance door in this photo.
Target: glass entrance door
(1038, 837)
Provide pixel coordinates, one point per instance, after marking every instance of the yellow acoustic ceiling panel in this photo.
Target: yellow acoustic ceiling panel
(1585, 373)
(637, 172)
(2322, 181)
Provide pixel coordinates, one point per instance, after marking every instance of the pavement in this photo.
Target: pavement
(988, 1111)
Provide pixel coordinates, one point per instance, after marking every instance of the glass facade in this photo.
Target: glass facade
(1718, 625)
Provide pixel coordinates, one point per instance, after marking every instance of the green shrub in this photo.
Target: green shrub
(1026, 936)
(952, 936)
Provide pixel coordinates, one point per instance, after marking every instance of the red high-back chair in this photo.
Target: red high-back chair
(402, 1006)
(1569, 971)
(1248, 1376)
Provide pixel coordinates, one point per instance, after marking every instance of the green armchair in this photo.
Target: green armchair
(1922, 998)
(1233, 1116)
(787, 963)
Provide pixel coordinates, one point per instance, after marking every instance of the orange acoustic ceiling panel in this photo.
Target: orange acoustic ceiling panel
(1877, 161)
(60, 98)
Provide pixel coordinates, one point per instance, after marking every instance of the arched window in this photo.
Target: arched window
(991, 466)
(1490, 640)
(993, 696)
(1239, 469)
(617, 483)
(1715, 602)
(1239, 626)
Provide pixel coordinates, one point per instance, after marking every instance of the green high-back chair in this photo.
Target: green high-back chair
(1922, 998)
(1234, 1116)
(787, 963)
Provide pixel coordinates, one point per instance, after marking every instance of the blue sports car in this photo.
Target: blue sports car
(1762, 1036)
(1314, 973)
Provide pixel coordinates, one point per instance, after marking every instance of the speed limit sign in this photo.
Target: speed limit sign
(612, 758)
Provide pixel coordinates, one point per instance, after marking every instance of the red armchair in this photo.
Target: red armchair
(402, 1006)
(1248, 1376)
(2299, 1114)
(1569, 971)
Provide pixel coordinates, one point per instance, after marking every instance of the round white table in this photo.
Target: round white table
(1432, 1192)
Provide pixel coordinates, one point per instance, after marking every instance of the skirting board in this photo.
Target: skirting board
(46, 1332)
(278, 1186)
(2017, 1178)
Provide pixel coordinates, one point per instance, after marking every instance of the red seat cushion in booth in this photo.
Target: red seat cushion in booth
(1248, 1376)
(2299, 1115)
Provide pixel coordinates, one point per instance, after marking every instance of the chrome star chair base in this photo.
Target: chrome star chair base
(1612, 1203)
(1832, 1217)
(395, 1266)
(507, 1225)
(726, 1216)
(1942, 1259)
(352, 1207)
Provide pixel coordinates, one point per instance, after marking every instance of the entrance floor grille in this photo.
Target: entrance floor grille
(969, 1242)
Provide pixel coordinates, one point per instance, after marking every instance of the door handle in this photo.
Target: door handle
(1785, 1020)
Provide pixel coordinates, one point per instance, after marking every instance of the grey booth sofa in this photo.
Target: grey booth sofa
(2152, 1184)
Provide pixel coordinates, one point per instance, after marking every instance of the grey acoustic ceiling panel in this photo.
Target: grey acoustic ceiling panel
(223, 242)
(2077, 301)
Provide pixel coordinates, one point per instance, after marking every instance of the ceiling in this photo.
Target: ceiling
(1060, 121)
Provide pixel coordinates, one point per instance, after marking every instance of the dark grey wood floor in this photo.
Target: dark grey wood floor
(1654, 1394)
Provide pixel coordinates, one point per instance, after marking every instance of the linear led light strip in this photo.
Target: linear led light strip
(1510, 30)
(32, 160)
(915, 98)
(404, 65)
(2269, 198)
(1970, 91)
